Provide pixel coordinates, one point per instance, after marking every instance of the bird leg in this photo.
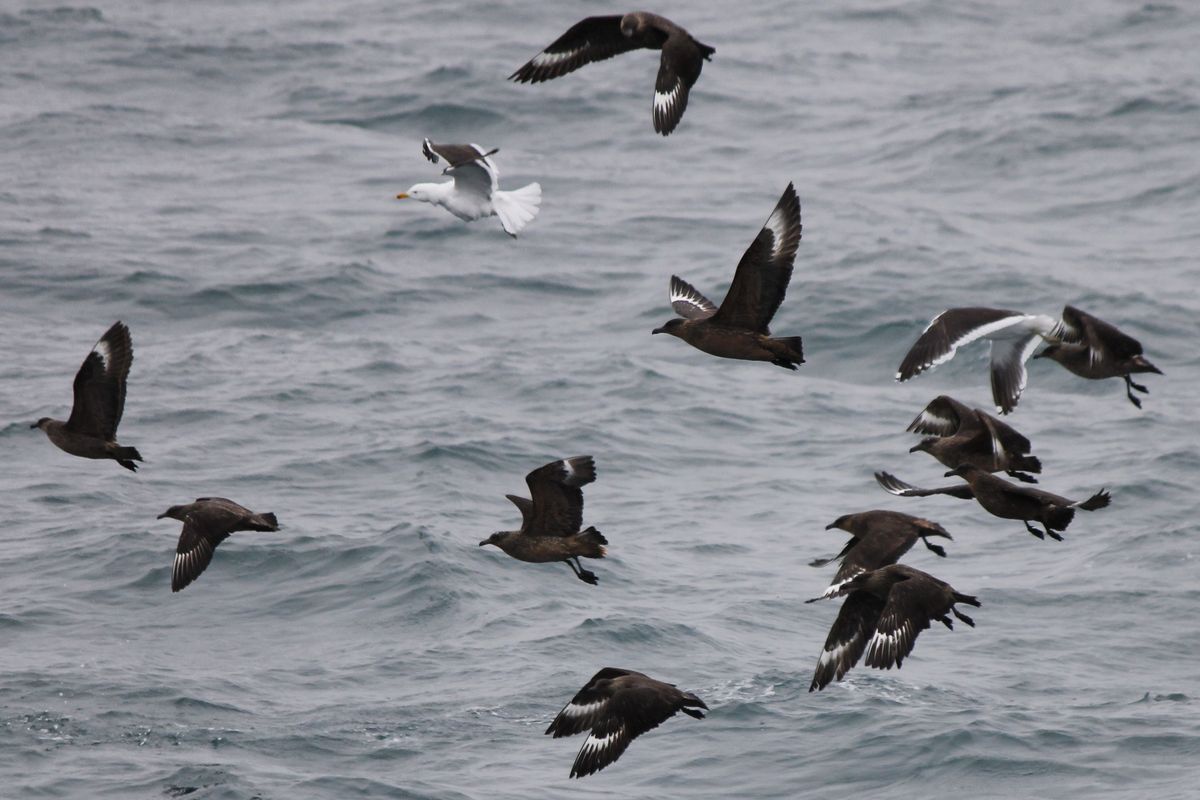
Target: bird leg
(938, 549)
(584, 575)
(1022, 476)
(1130, 386)
(1034, 530)
(963, 616)
(1053, 535)
(949, 623)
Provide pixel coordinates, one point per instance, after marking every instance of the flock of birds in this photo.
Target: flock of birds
(887, 603)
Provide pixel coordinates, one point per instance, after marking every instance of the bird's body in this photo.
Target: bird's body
(885, 611)
(99, 402)
(1100, 351)
(616, 706)
(550, 522)
(878, 538)
(599, 38)
(206, 523)
(1005, 500)
(474, 191)
(963, 435)
(739, 328)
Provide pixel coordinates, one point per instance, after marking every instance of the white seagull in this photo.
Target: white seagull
(474, 191)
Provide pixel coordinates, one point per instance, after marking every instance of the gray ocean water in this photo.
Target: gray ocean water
(221, 177)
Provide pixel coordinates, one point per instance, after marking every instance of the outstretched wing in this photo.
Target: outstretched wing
(557, 497)
(100, 385)
(194, 552)
(910, 606)
(951, 330)
(587, 706)
(1102, 339)
(847, 638)
(678, 70)
(591, 39)
(763, 273)
(689, 303)
(901, 489)
(526, 507)
(468, 164)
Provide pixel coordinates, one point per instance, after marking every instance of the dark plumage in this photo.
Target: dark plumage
(879, 539)
(962, 435)
(599, 38)
(617, 706)
(884, 612)
(1097, 350)
(206, 523)
(739, 328)
(1005, 500)
(91, 430)
(550, 522)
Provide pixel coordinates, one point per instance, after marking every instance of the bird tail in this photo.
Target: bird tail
(125, 456)
(705, 51)
(1099, 500)
(788, 351)
(517, 208)
(595, 540)
(968, 599)
(265, 522)
(1059, 518)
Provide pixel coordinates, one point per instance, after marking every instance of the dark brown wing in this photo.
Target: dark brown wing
(591, 39)
(689, 303)
(455, 155)
(847, 638)
(1103, 339)
(557, 498)
(100, 385)
(944, 416)
(633, 710)
(1003, 438)
(194, 552)
(526, 507)
(678, 70)
(910, 606)
(763, 273)
(901, 489)
(587, 706)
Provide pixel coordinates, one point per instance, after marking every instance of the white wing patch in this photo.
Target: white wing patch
(595, 744)
(567, 466)
(835, 588)
(996, 330)
(777, 223)
(546, 59)
(664, 102)
(103, 350)
(885, 645)
(575, 710)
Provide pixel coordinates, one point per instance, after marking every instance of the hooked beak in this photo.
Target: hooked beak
(950, 474)
(831, 526)
(485, 541)
(34, 425)
(914, 448)
(161, 516)
(656, 330)
(402, 196)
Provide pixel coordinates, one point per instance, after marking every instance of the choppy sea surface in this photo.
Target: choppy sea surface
(221, 177)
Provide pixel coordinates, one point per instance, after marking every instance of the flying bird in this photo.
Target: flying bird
(878, 538)
(739, 328)
(617, 706)
(550, 522)
(91, 430)
(1096, 350)
(206, 523)
(598, 38)
(474, 190)
(1013, 335)
(958, 434)
(1005, 500)
(885, 610)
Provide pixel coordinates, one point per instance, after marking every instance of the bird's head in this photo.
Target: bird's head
(962, 470)
(842, 522)
(41, 423)
(1140, 364)
(425, 192)
(922, 446)
(494, 539)
(174, 512)
(672, 327)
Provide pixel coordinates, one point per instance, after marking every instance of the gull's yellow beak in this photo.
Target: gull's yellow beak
(402, 196)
